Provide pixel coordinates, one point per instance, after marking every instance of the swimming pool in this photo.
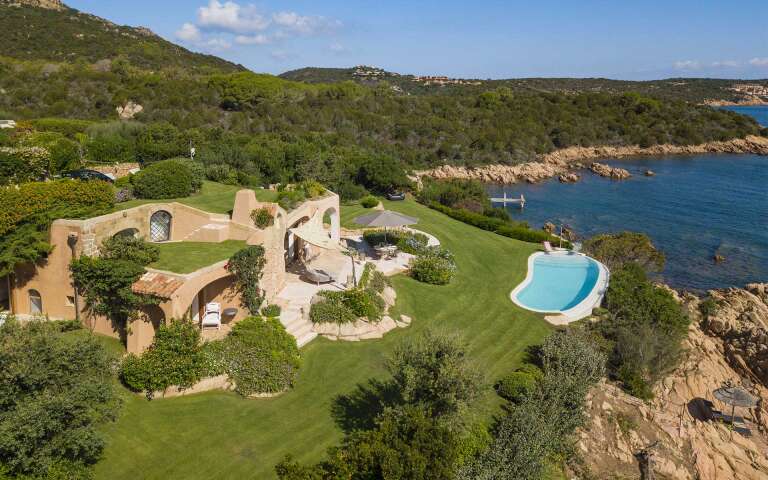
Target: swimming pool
(562, 282)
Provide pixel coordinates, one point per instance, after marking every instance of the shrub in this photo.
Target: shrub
(369, 202)
(435, 266)
(455, 193)
(247, 266)
(196, 170)
(260, 356)
(406, 241)
(56, 390)
(519, 384)
(271, 311)
(507, 228)
(222, 173)
(616, 250)
(373, 279)
(331, 310)
(166, 179)
(292, 196)
(23, 164)
(174, 359)
(129, 248)
(347, 306)
(262, 217)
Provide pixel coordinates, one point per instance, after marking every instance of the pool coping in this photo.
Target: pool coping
(583, 308)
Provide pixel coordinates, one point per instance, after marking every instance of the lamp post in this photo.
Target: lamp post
(72, 242)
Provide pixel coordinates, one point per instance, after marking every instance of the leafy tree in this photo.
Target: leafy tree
(129, 248)
(55, 390)
(247, 266)
(541, 424)
(645, 329)
(616, 250)
(166, 179)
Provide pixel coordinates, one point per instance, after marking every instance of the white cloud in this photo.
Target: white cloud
(231, 17)
(305, 24)
(687, 65)
(259, 39)
(217, 44)
(336, 47)
(188, 33)
(759, 62)
(726, 64)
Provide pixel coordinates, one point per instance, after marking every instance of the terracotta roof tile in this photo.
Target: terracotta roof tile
(157, 284)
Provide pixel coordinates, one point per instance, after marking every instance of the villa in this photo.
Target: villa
(47, 289)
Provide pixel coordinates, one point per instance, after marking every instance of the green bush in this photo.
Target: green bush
(166, 179)
(507, 228)
(372, 279)
(406, 241)
(175, 358)
(369, 201)
(347, 306)
(262, 217)
(196, 169)
(516, 386)
(222, 173)
(455, 193)
(133, 249)
(260, 356)
(331, 310)
(290, 197)
(247, 266)
(271, 311)
(435, 266)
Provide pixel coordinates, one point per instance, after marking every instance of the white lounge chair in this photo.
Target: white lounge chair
(212, 317)
(548, 247)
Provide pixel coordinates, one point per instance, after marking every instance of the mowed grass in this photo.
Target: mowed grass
(221, 435)
(213, 197)
(187, 257)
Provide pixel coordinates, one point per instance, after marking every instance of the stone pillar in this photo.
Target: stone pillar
(245, 203)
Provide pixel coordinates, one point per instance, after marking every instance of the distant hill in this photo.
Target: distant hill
(49, 30)
(696, 90)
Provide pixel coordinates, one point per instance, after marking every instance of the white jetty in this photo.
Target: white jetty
(505, 200)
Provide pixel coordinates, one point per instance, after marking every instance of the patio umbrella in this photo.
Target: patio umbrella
(385, 218)
(735, 397)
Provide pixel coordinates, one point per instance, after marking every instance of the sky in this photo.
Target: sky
(622, 39)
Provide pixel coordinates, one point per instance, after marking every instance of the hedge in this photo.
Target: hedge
(517, 231)
(166, 179)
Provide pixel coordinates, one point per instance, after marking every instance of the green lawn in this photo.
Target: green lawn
(213, 197)
(187, 257)
(221, 435)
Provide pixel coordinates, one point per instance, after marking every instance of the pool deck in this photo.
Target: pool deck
(577, 312)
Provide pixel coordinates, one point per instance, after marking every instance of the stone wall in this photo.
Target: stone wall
(118, 170)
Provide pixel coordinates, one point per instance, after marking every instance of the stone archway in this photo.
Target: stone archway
(293, 245)
(331, 217)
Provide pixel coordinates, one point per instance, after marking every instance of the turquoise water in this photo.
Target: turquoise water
(559, 282)
(695, 207)
(759, 113)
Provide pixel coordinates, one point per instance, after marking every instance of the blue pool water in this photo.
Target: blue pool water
(695, 207)
(759, 112)
(559, 282)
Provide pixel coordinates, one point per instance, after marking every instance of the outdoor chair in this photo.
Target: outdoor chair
(212, 317)
(548, 247)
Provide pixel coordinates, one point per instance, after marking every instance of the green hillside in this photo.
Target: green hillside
(67, 35)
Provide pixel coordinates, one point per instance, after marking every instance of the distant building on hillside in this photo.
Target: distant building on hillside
(442, 81)
(7, 124)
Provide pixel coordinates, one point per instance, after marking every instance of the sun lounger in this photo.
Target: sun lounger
(212, 317)
(319, 276)
(548, 247)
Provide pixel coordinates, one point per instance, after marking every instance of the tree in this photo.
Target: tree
(540, 425)
(616, 250)
(247, 266)
(55, 389)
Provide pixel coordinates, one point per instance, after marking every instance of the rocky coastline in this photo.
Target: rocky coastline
(564, 161)
(726, 343)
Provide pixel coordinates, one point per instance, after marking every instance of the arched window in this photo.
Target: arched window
(128, 233)
(35, 302)
(160, 226)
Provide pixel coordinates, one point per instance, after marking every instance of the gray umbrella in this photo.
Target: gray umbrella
(735, 397)
(385, 218)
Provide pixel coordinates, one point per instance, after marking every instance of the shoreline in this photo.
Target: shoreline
(562, 161)
(727, 103)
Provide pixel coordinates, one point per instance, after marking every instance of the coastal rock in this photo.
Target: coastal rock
(568, 178)
(561, 161)
(129, 110)
(690, 445)
(608, 171)
(549, 227)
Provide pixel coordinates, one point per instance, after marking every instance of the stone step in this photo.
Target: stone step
(306, 338)
(300, 330)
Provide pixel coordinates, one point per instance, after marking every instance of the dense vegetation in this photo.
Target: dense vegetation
(68, 35)
(694, 90)
(27, 212)
(346, 306)
(56, 387)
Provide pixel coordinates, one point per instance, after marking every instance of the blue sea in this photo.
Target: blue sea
(695, 207)
(760, 112)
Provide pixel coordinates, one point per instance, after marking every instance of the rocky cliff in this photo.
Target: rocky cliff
(48, 4)
(725, 345)
(561, 161)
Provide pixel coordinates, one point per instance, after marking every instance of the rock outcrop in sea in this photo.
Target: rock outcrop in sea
(727, 344)
(608, 171)
(562, 161)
